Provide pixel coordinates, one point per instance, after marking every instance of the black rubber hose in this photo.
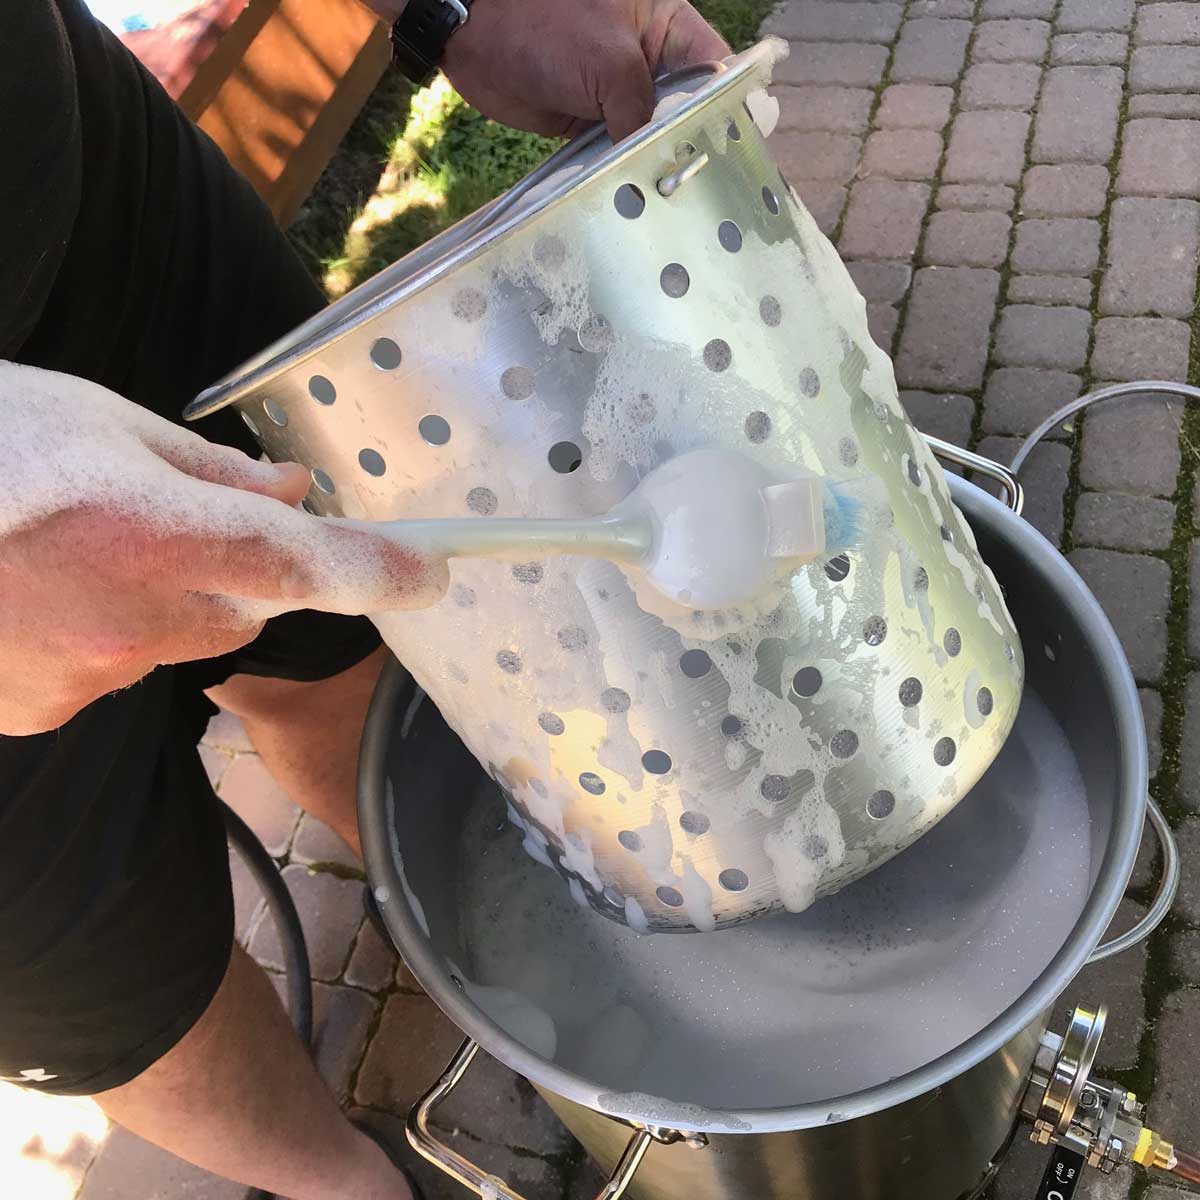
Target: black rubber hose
(287, 921)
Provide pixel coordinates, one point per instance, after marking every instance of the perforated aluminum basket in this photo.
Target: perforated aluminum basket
(624, 305)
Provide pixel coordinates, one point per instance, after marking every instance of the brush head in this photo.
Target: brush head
(727, 527)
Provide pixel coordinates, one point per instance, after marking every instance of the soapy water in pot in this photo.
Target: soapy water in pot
(866, 985)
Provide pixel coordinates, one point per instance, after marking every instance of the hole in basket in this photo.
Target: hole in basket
(469, 304)
(565, 457)
(770, 201)
(630, 840)
(914, 473)
(274, 410)
(880, 805)
(552, 723)
(984, 701)
(770, 310)
(657, 762)
(807, 681)
(757, 427)
(810, 382)
(629, 201)
(482, 500)
(774, 787)
(642, 410)
(572, 637)
(735, 134)
(321, 390)
(730, 236)
(669, 896)
(844, 744)
(952, 640)
(911, 691)
(591, 782)
(694, 823)
(838, 568)
(944, 751)
(674, 280)
(717, 355)
(385, 354)
(250, 425)
(434, 430)
(530, 572)
(372, 462)
(731, 726)
(695, 664)
(733, 880)
(848, 451)
(874, 630)
(596, 334)
(615, 700)
(322, 481)
(509, 661)
(815, 846)
(517, 383)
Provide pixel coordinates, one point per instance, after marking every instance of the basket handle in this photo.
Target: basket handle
(448, 1160)
(1168, 885)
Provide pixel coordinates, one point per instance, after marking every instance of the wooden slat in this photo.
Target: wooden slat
(283, 87)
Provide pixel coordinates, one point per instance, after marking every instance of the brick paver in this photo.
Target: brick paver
(1016, 187)
(1057, 253)
(1068, 190)
(1077, 115)
(967, 239)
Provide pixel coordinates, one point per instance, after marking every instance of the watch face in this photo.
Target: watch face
(420, 34)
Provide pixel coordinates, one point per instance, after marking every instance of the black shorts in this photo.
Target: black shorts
(133, 255)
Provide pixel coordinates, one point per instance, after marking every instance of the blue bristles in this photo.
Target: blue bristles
(843, 518)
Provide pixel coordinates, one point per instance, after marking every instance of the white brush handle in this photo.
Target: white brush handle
(621, 538)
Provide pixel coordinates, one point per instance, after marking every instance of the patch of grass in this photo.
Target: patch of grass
(416, 161)
(737, 21)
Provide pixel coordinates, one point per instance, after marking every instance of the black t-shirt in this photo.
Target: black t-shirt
(132, 255)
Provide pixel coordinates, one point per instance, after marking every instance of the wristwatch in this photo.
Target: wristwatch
(420, 34)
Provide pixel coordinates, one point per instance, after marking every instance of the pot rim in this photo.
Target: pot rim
(434, 975)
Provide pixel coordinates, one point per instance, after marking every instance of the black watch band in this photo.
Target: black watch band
(420, 34)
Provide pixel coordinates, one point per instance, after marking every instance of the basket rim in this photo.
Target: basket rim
(470, 237)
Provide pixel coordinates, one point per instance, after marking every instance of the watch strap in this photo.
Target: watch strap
(420, 34)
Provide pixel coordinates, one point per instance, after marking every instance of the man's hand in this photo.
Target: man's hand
(552, 66)
(126, 542)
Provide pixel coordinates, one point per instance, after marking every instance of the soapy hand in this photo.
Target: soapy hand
(552, 66)
(126, 542)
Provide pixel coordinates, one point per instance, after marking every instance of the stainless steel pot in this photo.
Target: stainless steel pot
(931, 1133)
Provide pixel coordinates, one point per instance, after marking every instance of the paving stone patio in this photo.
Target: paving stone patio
(1015, 186)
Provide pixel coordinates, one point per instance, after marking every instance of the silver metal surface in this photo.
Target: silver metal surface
(931, 1133)
(1112, 392)
(1006, 477)
(1164, 897)
(681, 770)
(460, 1168)
(691, 162)
(1069, 1073)
(941, 1145)
(1101, 1121)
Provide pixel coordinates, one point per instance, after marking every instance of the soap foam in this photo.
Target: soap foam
(78, 446)
(865, 986)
